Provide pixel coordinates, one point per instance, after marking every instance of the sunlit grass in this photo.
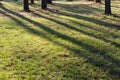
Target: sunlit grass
(69, 41)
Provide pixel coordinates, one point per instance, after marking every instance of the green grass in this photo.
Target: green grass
(69, 41)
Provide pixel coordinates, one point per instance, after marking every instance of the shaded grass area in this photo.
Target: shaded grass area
(61, 43)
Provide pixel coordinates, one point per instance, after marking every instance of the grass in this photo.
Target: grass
(69, 41)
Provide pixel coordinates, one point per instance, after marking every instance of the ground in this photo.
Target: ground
(68, 41)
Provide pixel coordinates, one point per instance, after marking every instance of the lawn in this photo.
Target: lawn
(68, 41)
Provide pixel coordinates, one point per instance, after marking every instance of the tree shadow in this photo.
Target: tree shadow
(89, 19)
(83, 8)
(106, 63)
(79, 8)
(117, 16)
(82, 31)
(92, 20)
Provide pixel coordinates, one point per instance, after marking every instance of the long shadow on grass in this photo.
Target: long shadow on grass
(92, 20)
(115, 64)
(79, 30)
(79, 8)
(90, 27)
(89, 19)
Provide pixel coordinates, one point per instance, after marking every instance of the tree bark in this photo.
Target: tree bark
(44, 4)
(26, 5)
(98, 1)
(49, 1)
(32, 1)
(107, 6)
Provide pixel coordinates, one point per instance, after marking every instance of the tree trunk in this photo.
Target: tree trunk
(98, 1)
(107, 6)
(44, 4)
(26, 5)
(49, 1)
(32, 1)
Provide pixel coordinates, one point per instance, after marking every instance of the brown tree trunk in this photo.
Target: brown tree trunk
(32, 1)
(107, 6)
(44, 4)
(26, 5)
(98, 1)
(49, 1)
